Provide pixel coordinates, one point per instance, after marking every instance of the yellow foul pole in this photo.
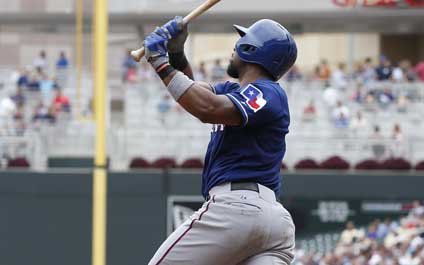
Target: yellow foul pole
(79, 17)
(100, 16)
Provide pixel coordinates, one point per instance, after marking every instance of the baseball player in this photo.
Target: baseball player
(241, 222)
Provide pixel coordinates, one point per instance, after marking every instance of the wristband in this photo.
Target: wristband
(178, 60)
(165, 70)
(179, 85)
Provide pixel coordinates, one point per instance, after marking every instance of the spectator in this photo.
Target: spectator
(386, 97)
(368, 75)
(351, 234)
(417, 210)
(33, 82)
(383, 229)
(46, 87)
(402, 103)
(23, 78)
(129, 68)
(62, 65)
(372, 230)
(409, 73)
(376, 134)
(41, 61)
(331, 96)
(218, 72)
(341, 115)
(384, 70)
(310, 112)
(62, 62)
(294, 74)
(419, 70)
(43, 114)
(398, 75)
(200, 74)
(397, 149)
(7, 112)
(397, 134)
(369, 103)
(19, 126)
(357, 94)
(339, 78)
(377, 144)
(359, 123)
(61, 102)
(19, 97)
(323, 70)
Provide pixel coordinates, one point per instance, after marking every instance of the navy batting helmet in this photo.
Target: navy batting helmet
(268, 44)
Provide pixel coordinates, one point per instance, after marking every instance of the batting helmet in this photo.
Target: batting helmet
(268, 44)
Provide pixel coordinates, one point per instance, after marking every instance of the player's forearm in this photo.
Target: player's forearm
(179, 61)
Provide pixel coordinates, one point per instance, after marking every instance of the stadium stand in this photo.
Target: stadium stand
(380, 120)
(382, 242)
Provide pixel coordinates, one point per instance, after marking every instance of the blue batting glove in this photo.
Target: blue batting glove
(172, 28)
(156, 49)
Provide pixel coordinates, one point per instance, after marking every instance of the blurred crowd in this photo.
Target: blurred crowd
(351, 98)
(381, 243)
(37, 97)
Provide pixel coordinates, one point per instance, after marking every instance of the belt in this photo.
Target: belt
(241, 185)
(264, 192)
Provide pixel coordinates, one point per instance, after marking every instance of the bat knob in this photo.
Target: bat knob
(136, 55)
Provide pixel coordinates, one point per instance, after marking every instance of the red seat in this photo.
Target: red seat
(192, 163)
(19, 162)
(420, 166)
(396, 164)
(335, 162)
(283, 166)
(139, 162)
(164, 162)
(368, 164)
(306, 164)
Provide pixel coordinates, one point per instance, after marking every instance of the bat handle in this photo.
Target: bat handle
(138, 54)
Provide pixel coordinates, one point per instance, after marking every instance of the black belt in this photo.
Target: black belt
(242, 185)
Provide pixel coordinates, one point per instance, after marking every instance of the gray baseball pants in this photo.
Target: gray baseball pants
(240, 227)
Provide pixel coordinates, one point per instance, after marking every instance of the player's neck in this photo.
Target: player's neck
(251, 74)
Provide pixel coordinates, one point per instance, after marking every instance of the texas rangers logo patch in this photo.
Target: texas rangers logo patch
(254, 97)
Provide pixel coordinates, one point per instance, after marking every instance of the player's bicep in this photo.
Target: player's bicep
(206, 85)
(202, 103)
(225, 112)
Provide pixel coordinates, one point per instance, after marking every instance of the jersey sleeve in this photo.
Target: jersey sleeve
(224, 88)
(257, 105)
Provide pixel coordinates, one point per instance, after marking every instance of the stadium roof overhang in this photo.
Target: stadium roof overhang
(352, 20)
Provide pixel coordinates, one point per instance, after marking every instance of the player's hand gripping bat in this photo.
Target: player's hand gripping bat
(138, 54)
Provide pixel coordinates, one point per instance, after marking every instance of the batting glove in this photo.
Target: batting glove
(173, 27)
(156, 49)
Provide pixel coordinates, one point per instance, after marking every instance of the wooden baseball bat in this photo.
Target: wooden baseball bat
(138, 54)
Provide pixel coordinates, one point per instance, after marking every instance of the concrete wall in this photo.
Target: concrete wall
(45, 218)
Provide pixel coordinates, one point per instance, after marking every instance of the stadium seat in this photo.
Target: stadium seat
(368, 164)
(164, 162)
(192, 163)
(306, 164)
(420, 166)
(335, 162)
(19, 162)
(396, 164)
(139, 162)
(283, 166)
